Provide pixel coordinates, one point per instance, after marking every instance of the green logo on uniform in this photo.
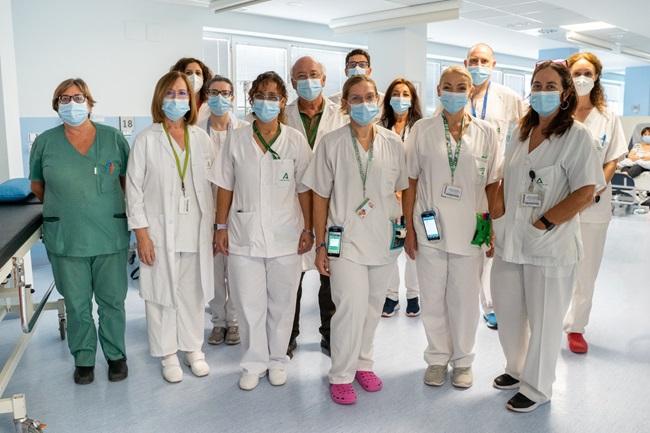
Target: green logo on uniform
(285, 177)
(539, 180)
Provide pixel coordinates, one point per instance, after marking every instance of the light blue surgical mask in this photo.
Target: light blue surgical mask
(73, 113)
(400, 105)
(356, 71)
(266, 110)
(364, 114)
(453, 102)
(309, 89)
(545, 103)
(174, 109)
(479, 74)
(646, 139)
(219, 105)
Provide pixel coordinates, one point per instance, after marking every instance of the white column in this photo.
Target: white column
(400, 52)
(11, 159)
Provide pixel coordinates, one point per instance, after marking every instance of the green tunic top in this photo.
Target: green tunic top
(83, 208)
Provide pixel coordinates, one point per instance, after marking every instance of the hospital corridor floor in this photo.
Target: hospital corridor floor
(605, 390)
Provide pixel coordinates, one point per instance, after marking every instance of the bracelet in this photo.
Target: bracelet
(310, 233)
(221, 226)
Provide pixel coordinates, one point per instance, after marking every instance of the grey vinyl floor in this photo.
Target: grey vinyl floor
(603, 391)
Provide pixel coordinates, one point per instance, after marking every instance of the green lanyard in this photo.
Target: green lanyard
(181, 172)
(266, 145)
(362, 172)
(453, 159)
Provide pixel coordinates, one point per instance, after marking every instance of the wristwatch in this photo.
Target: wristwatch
(549, 225)
(221, 226)
(321, 245)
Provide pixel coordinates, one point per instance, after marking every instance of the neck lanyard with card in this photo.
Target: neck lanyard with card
(450, 190)
(184, 202)
(367, 205)
(266, 145)
(485, 98)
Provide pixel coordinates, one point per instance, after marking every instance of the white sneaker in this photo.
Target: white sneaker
(196, 361)
(249, 381)
(435, 375)
(171, 369)
(277, 376)
(462, 377)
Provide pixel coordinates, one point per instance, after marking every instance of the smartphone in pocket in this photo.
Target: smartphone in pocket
(430, 222)
(334, 234)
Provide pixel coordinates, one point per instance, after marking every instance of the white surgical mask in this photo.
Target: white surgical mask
(196, 81)
(583, 84)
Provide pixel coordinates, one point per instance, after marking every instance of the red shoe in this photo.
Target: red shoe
(577, 343)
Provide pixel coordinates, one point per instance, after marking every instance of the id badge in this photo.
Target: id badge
(452, 192)
(184, 205)
(531, 199)
(364, 208)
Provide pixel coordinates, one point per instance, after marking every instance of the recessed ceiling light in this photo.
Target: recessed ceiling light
(585, 27)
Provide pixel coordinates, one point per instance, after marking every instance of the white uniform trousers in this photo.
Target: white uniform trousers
(531, 302)
(485, 294)
(221, 306)
(264, 292)
(410, 280)
(593, 240)
(448, 290)
(358, 293)
(181, 327)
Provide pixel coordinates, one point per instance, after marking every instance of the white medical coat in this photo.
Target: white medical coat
(427, 161)
(609, 144)
(334, 174)
(562, 165)
(265, 218)
(152, 196)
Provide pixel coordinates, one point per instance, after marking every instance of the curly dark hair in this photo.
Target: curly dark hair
(207, 75)
(273, 77)
(597, 95)
(388, 117)
(563, 120)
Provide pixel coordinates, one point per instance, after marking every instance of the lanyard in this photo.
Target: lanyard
(183, 171)
(453, 159)
(266, 145)
(362, 172)
(485, 98)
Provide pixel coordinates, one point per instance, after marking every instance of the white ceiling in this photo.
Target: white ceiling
(496, 22)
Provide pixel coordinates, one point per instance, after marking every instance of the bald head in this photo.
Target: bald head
(480, 55)
(307, 67)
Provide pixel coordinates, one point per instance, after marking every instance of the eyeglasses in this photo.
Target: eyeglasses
(215, 92)
(78, 98)
(268, 97)
(312, 75)
(358, 99)
(177, 93)
(561, 62)
(362, 65)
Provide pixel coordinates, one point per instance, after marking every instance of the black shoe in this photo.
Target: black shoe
(292, 346)
(521, 403)
(412, 307)
(325, 347)
(117, 370)
(84, 375)
(390, 308)
(505, 381)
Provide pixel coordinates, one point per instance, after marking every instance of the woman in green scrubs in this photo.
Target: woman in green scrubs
(77, 169)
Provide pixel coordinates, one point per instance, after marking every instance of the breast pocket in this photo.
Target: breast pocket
(109, 173)
(481, 164)
(283, 173)
(547, 183)
(389, 179)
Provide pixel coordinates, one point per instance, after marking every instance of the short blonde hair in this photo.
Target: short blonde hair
(164, 84)
(455, 69)
(353, 81)
(65, 85)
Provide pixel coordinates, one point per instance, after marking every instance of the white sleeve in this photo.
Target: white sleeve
(225, 165)
(303, 158)
(617, 145)
(136, 171)
(495, 159)
(581, 164)
(402, 181)
(412, 160)
(319, 176)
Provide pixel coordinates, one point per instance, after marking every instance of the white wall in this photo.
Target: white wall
(11, 161)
